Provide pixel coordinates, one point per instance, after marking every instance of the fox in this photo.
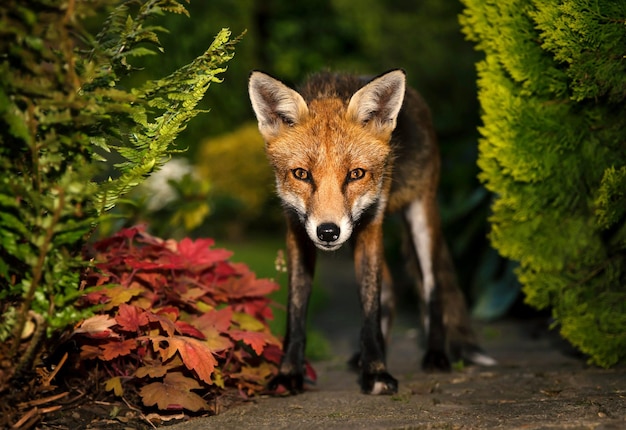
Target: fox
(346, 151)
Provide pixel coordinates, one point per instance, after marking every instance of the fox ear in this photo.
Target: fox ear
(274, 104)
(379, 101)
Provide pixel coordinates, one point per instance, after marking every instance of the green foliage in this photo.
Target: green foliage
(552, 87)
(64, 108)
(242, 182)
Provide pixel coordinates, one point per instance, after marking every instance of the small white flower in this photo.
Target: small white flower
(157, 187)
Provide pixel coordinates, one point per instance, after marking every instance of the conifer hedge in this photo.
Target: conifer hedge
(552, 87)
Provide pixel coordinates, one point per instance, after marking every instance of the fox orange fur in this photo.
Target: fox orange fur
(345, 151)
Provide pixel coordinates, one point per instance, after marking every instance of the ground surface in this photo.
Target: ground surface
(535, 385)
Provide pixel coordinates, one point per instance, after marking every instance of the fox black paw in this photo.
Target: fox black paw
(436, 361)
(378, 383)
(294, 384)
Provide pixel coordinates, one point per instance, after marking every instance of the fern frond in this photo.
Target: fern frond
(176, 97)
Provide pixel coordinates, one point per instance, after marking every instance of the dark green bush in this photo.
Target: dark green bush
(552, 87)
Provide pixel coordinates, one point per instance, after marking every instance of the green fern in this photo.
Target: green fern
(63, 118)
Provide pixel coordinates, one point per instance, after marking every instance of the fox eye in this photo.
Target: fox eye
(356, 174)
(301, 174)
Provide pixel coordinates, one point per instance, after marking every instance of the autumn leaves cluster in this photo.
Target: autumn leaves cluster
(176, 321)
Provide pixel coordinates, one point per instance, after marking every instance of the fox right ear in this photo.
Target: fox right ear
(275, 104)
(379, 101)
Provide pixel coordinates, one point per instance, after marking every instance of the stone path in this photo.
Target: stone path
(534, 386)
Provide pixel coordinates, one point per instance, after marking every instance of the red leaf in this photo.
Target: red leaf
(224, 269)
(309, 372)
(165, 323)
(89, 352)
(113, 349)
(197, 255)
(97, 326)
(134, 263)
(219, 319)
(256, 340)
(173, 393)
(130, 318)
(188, 329)
(119, 239)
(273, 353)
(96, 297)
(196, 354)
(154, 280)
(169, 310)
(248, 286)
(258, 307)
(156, 369)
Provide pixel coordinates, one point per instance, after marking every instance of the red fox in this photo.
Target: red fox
(345, 151)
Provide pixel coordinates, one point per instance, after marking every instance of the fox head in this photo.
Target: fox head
(331, 156)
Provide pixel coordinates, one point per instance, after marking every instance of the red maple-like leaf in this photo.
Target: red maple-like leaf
(248, 286)
(197, 255)
(219, 319)
(163, 321)
(119, 240)
(256, 307)
(273, 353)
(173, 393)
(156, 369)
(130, 318)
(96, 297)
(97, 326)
(113, 349)
(188, 329)
(88, 352)
(196, 354)
(183, 310)
(255, 339)
(134, 263)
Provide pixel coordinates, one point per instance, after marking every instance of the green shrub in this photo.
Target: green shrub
(242, 182)
(66, 106)
(552, 87)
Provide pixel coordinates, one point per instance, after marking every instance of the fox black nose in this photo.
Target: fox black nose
(328, 232)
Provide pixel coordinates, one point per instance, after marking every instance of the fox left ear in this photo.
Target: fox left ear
(379, 101)
(275, 104)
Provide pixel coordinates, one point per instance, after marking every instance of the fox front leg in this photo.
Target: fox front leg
(301, 256)
(423, 220)
(368, 258)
